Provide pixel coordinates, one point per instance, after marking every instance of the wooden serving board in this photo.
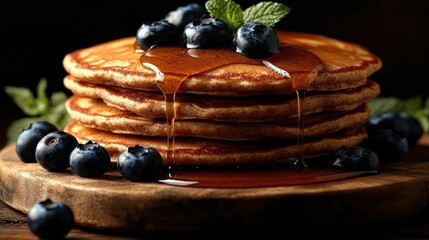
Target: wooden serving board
(400, 190)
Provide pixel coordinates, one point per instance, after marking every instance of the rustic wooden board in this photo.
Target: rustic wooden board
(398, 191)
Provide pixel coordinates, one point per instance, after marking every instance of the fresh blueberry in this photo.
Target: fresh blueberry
(206, 33)
(140, 163)
(160, 33)
(388, 145)
(388, 121)
(415, 130)
(185, 14)
(403, 124)
(53, 151)
(27, 141)
(256, 40)
(89, 160)
(356, 159)
(50, 219)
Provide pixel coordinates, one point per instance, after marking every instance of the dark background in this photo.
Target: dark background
(35, 36)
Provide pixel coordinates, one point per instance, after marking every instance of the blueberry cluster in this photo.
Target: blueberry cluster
(57, 150)
(190, 26)
(390, 136)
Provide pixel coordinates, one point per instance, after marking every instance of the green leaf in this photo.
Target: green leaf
(387, 104)
(52, 110)
(24, 99)
(268, 13)
(413, 106)
(227, 11)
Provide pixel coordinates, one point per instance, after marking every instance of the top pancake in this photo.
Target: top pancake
(322, 63)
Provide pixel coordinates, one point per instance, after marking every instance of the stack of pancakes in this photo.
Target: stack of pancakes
(228, 112)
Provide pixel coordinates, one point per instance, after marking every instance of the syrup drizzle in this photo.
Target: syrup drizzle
(169, 92)
(173, 65)
(300, 95)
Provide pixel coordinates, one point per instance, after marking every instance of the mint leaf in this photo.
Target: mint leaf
(25, 100)
(52, 110)
(227, 11)
(268, 13)
(386, 104)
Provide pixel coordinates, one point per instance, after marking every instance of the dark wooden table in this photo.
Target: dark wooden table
(13, 225)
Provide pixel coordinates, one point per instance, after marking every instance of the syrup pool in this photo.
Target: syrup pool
(257, 177)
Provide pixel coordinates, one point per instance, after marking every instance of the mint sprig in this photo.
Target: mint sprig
(414, 106)
(268, 13)
(227, 11)
(39, 108)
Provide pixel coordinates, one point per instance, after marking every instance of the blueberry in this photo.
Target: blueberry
(50, 219)
(206, 33)
(89, 160)
(140, 163)
(185, 14)
(160, 33)
(388, 121)
(356, 159)
(256, 40)
(388, 145)
(415, 130)
(27, 141)
(53, 151)
(403, 124)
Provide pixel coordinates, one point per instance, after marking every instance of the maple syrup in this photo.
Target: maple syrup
(173, 65)
(267, 176)
(300, 95)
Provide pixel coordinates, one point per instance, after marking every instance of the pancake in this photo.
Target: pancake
(333, 65)
(224, 109)
(205, 152)
(94, 113)
(230, 109)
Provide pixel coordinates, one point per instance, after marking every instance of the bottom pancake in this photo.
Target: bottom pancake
(206, 152)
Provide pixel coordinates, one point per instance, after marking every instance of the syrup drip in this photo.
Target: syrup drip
(169, 92)
(300, 95)
(174, 65)
(170, 106)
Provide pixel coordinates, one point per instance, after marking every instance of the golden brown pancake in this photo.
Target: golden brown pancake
(229, 109)
(96, 114)
(244, 109)
(206, 152)
(342, 65)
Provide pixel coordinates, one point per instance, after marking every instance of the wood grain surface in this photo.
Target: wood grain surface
(113, 204)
